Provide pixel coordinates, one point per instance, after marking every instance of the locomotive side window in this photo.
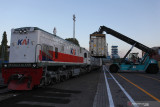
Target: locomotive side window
(44, 52)
(85, 55)
(56, 52)
(46, 49)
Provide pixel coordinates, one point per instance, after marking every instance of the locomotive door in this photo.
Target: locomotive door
(56, 53)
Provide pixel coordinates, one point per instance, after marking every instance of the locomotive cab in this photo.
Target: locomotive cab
(23, 43)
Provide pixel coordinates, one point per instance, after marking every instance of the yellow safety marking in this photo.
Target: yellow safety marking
(140, 89)
(149, 77)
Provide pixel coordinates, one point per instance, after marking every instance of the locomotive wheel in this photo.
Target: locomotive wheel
(62, 78)
(152, 69)
(113, 68)
(48, 81)
(54, 81)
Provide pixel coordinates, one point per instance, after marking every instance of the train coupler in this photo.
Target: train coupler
(20, 82)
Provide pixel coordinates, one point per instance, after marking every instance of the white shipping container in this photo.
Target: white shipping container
(98, 45)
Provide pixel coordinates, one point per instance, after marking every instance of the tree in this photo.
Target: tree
(73, 40)
(4, 47)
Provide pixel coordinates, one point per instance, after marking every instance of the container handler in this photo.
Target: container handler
(147, 64)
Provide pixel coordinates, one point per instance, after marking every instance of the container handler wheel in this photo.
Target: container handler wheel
(113, 68)
(152, 69)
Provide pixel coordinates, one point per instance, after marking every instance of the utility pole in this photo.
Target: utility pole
(74, 19)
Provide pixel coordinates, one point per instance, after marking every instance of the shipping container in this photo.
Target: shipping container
(98, 46)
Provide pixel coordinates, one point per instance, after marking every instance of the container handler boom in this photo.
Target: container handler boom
(125, 39)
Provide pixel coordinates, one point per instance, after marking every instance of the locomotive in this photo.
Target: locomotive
(39, 58)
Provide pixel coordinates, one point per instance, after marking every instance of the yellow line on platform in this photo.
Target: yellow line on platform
(149, 77)
(140, 88)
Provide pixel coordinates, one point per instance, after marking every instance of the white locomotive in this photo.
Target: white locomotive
(31, 44)
(38, 58)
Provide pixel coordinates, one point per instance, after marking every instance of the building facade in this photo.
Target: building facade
(114, 52)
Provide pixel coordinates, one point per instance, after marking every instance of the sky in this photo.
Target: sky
(137, 19)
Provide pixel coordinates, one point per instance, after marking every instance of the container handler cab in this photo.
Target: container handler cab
(133, 57)
(147, 63)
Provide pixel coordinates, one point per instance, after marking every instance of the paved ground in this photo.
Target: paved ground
(142, 88)
(76, 92)
(97, 89)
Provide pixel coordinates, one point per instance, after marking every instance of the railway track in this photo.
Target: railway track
(3, 86)
(4, 90)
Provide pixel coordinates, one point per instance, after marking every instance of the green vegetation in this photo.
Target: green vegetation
(4, 47)
(75, 41)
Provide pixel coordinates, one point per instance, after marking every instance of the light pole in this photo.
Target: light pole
(74, 19)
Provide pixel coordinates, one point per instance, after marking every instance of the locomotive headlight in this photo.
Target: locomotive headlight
(5, 65)
(20, 31)
(25, 31)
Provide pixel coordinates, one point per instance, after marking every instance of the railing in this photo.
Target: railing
(36, 59)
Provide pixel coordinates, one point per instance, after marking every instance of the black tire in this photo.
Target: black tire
(113, 68)
(152, 69)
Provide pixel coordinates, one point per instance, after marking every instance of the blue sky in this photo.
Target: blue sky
(137, 19)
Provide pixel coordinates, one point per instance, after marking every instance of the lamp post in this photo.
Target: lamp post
(74, 19)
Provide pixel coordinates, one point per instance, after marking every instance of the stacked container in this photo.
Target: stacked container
(98, 46)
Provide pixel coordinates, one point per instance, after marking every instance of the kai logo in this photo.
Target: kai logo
(23, 41)
(73, 51)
